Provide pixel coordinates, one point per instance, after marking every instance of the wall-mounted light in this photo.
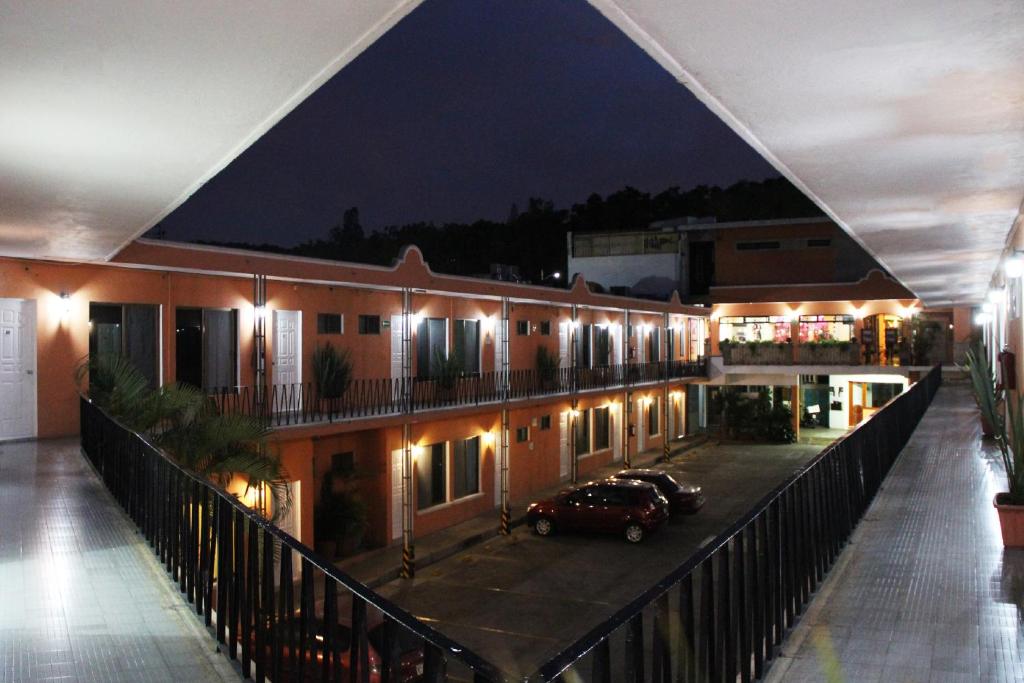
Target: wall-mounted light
(790, 316)
(415, 319)
(556, 275)
(988, 307)
(996, 296)
(1013, 266)
(260, 312)
(982, 318)
(65, 305)
(487, 438)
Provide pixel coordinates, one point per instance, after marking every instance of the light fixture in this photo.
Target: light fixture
(988, 307)
(1013, 266)
(260, 312)
(415, 319)
(996, 296)
(790, 316)
(488, 438)
(982, 318)
(859, 313)
(65, 305)
(556, 275)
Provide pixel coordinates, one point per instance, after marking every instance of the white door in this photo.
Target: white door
(17, 368)
(397, 327)
(563, 444)
(618, 350)
(640, 432)
(287, 347)
(396, 494)
(670, 432)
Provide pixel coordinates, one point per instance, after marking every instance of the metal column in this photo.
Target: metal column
(627, 395)
(666, 454)
(574, 465)
(503, 459)
(259, 339)
(405, 387)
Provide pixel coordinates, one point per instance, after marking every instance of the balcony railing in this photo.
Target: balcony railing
(720, 616)
(294, 404)
(769, 353)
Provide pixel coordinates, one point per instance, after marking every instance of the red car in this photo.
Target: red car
(684, 498)
(618, 506)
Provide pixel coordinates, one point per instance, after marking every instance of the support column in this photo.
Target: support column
(627, 396)
(259, 340)
(794, 404)
(503, 454)
(667, 365)
(405, 387)
(574, 413)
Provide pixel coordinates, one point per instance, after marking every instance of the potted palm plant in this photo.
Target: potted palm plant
(332, 369)
(1008, 431)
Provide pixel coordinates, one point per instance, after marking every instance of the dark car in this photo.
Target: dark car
(681, 497)
(409, 652)
(618, 506)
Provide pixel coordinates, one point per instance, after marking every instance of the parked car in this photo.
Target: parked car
(619, 506)
(681, 497)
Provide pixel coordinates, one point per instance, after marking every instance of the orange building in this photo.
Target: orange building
(447, 415)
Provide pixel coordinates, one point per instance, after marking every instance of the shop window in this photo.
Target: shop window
(369, 324)
(431, 476)
(431, 347)
(818, 328)
(522, 327)
(545, 328)
(130, 331)
(581, 433)
(653, 412)
(330, 323)
(602, 429)
(522, 434)
(466, 468)
(206, 348)
(467, 345)
(545, 422)
(754, 328)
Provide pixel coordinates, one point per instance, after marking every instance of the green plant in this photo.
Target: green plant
(332, 369)
(446, 370)
(1008, 430)
(547, 364)
(185, 423)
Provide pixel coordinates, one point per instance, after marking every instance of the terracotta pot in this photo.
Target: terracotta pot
(1011, 521)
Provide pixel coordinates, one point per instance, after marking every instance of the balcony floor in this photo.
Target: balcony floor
(83, 597)
(925, 590)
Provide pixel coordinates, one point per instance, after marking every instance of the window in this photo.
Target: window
(431, 476)
(654, 345)
(343, 463)
(819, 242)
(602, 347)
(128, 330)
(466, 468)
(467, 345)
(581, 346)
(757, 246)
(581, 434)
(773, 328)
(329, 323)
(652, 417)
(814, 328)
(545, 327)
(522, 434)
(613, 495)
(602, 429)
(206, 347)
(522, 327)
(431, 347)
(545, 422)
(670, 343)
(369, 324)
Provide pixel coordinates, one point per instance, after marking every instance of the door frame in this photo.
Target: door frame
(31, 307)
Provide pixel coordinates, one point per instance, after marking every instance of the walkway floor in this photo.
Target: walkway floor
(82, 597)
(925, 591)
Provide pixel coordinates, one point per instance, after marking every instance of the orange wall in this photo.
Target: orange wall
(734, 267)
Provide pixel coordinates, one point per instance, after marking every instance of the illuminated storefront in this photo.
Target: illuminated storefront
(817, 328)
(755, 328)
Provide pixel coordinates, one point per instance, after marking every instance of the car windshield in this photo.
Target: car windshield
(670, 480)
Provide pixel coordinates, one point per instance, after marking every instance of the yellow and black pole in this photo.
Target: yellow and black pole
(506, 508)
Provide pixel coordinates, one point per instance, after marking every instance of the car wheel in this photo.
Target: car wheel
(544, 526)
(634, 532)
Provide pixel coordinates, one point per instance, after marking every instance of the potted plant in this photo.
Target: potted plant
(1009, 436)
(332, 370)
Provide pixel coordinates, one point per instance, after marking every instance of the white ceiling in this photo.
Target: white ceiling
(903, 120)
(113, 112)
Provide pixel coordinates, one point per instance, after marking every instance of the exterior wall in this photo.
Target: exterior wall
(778, 266)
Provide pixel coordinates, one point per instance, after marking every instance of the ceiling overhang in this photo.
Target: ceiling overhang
(903, 121)
(115, 112)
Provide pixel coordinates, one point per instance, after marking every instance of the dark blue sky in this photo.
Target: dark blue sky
(462, 109)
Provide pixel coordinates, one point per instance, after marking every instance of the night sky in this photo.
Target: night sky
(461, 110)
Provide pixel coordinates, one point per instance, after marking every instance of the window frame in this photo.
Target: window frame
(522, 328)
(429, 450)
(321, 326)
(364, 327)
(607, 433)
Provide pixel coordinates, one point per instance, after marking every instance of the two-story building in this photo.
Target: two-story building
(465, 394)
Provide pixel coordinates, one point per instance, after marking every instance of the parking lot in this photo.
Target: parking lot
(518, 600)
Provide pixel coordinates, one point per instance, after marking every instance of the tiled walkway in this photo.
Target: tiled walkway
(82, 597)
(925, 592)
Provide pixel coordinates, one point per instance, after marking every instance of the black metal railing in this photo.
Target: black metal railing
(281, 610)
(723, 613)
(294, 404)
